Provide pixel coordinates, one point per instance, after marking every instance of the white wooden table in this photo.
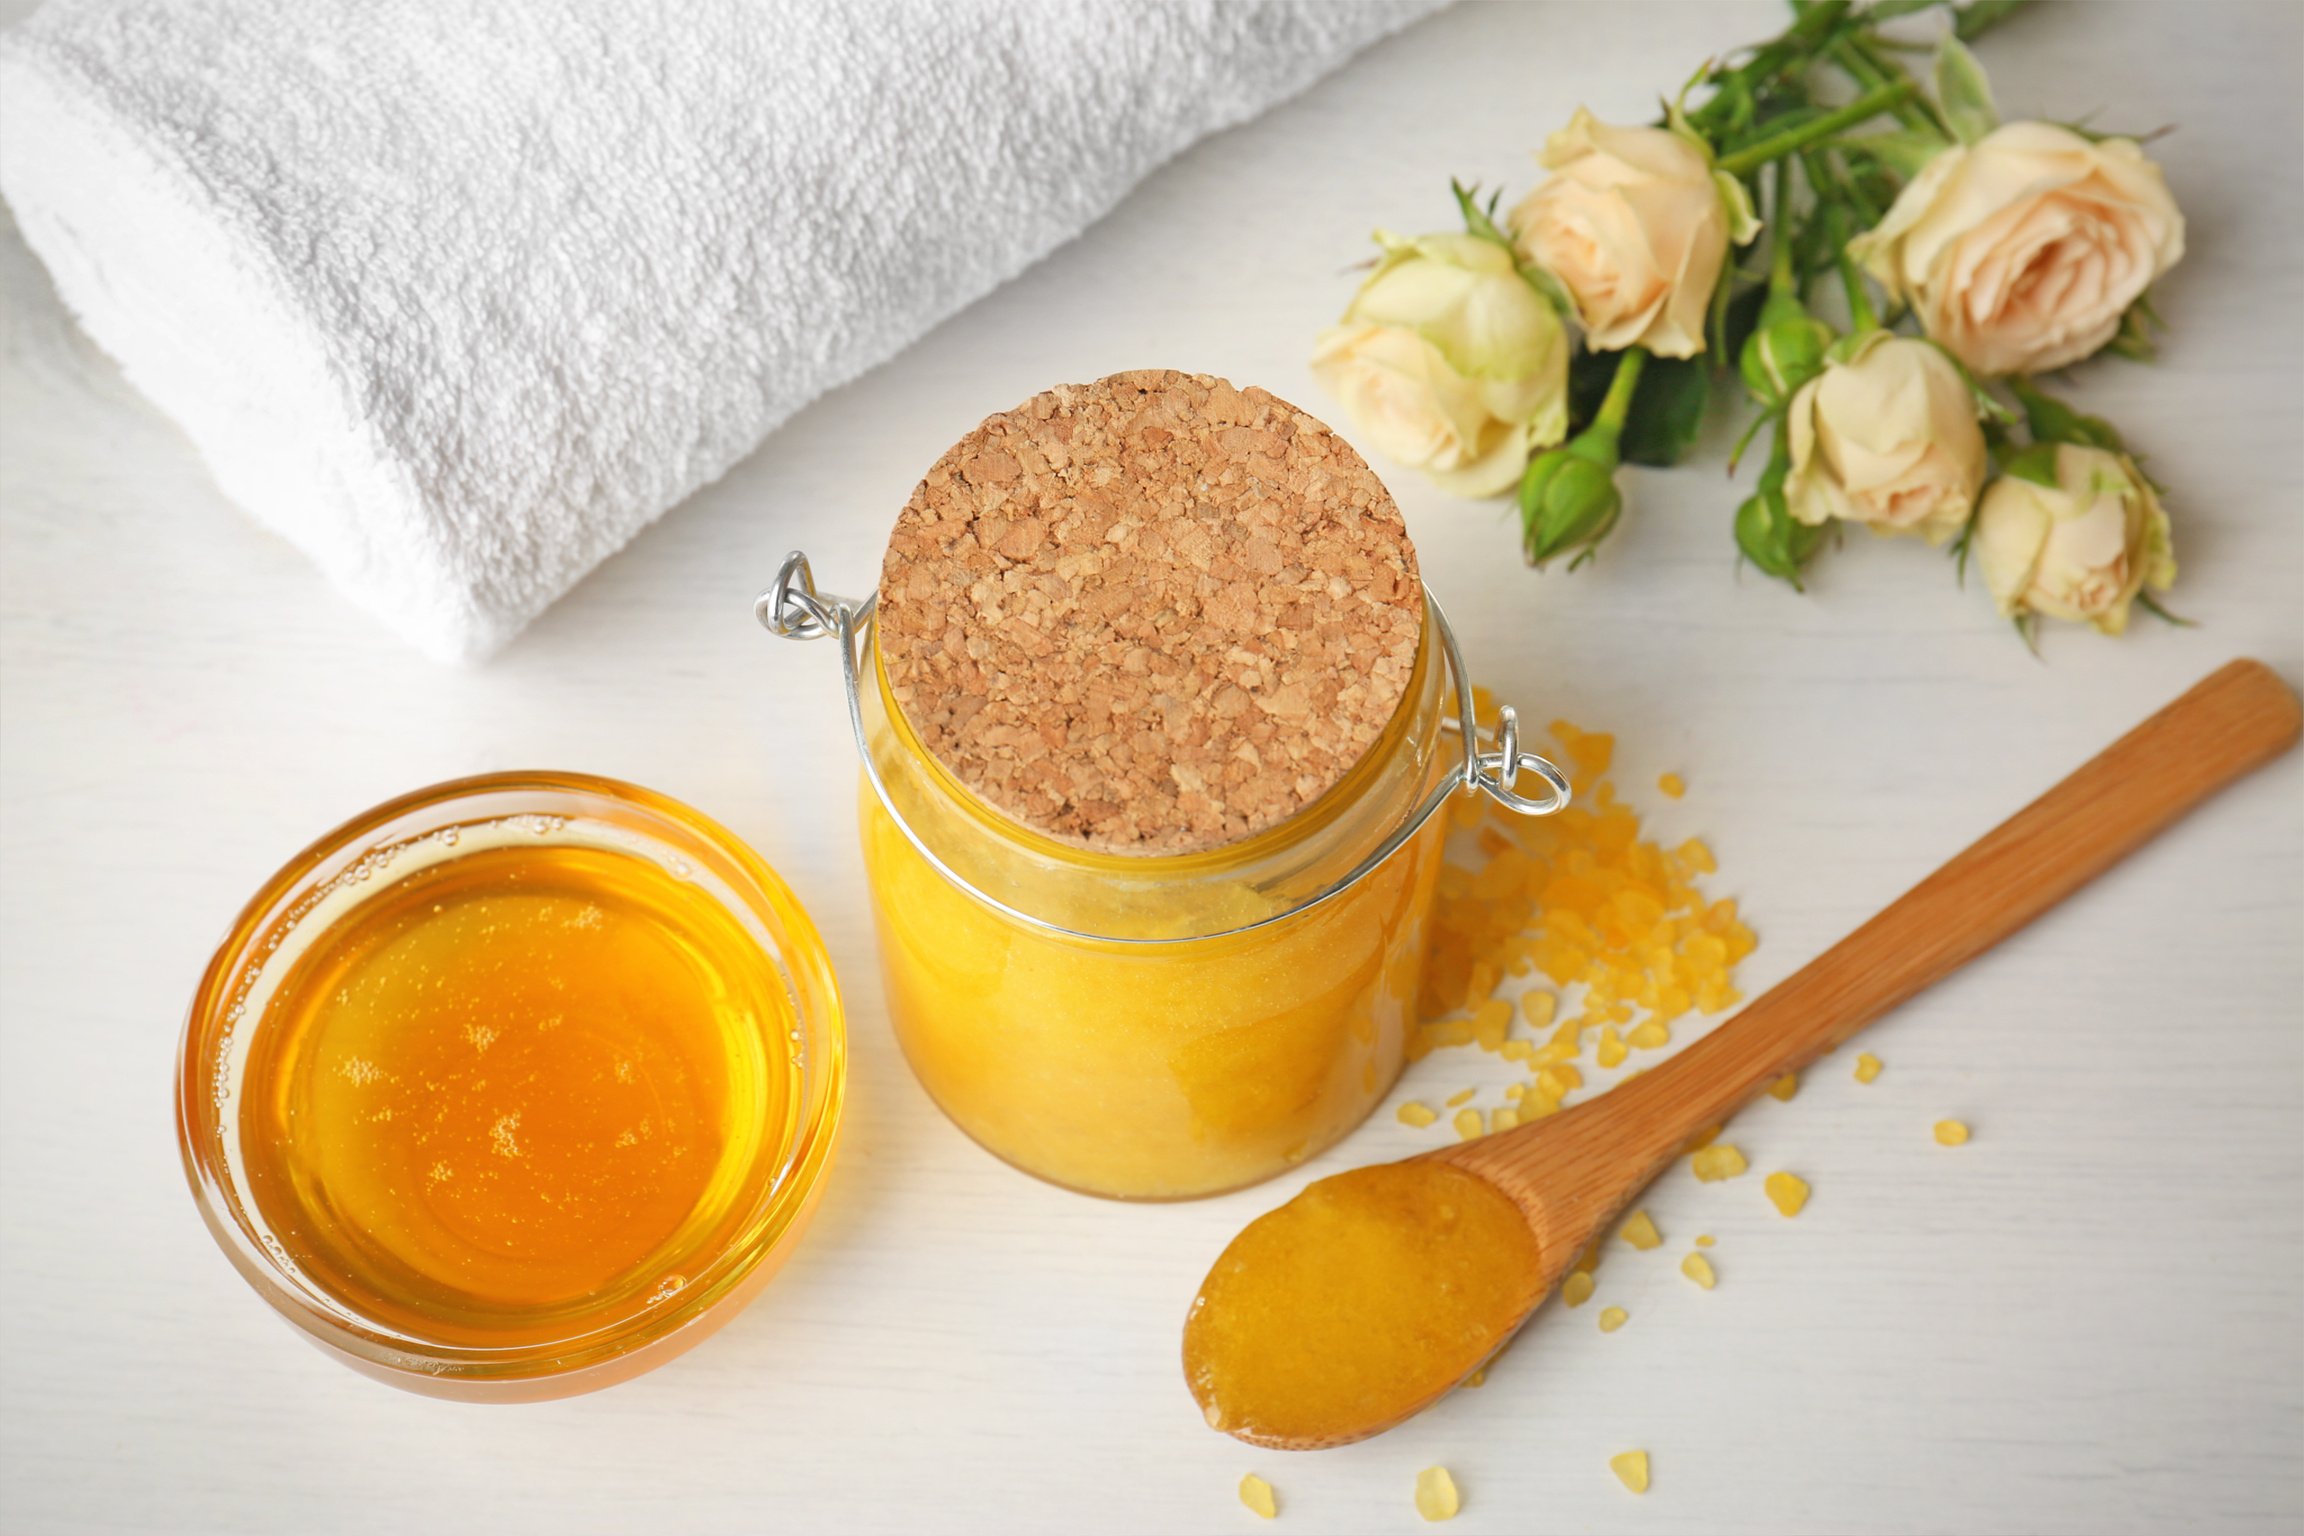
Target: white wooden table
(2089, 1319)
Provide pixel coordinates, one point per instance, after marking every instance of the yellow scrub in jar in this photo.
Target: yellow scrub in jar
(1151, 669)
(1159, 1070)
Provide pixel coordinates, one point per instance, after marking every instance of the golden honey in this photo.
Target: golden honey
(513, 1087)
(517, 1093)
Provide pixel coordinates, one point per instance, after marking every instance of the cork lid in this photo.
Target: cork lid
(1154, 614)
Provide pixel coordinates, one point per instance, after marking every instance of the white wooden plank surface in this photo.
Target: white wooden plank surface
(2087, 1320)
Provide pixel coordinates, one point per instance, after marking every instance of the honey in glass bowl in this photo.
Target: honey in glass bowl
(514, 1087)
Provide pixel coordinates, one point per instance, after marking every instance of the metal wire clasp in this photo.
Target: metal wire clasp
(1496, 773)
(792, 609)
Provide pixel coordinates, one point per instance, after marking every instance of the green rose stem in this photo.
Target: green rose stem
(1777, 145)
(1862, 316)
(1569, 500)
(1780, 234)
(1864, 65)
(1618, 401)
(1787, 345)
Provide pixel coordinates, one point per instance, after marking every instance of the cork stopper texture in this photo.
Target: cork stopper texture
(1154, 614)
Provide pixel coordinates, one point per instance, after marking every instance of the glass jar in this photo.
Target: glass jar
(378, 1263)
(1158, 1027)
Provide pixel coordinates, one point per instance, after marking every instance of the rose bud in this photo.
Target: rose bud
(1569, 498)
(1785, 350)
(1886, 436)
(2081, 549)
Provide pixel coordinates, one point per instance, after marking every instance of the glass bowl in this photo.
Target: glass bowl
(418, 836)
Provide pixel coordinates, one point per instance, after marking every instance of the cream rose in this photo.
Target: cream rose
(1886, 435)
(2080, 549)
(1635, 223)
(1449, 361)
(2022, 251)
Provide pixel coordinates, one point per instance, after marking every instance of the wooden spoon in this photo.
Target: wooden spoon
(1572, 1173)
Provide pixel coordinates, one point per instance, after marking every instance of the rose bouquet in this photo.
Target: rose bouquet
(1971, 256)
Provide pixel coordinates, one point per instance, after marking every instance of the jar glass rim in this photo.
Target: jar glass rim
(740, 880)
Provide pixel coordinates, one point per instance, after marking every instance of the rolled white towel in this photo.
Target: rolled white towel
(460, 297)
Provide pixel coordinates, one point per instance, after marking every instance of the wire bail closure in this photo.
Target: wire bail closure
(793, 609)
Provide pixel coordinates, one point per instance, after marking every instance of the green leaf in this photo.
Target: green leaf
(2152, 605)
(1989, 406)
(2050, 420)
(1903, 151)
(2134, 340)
(2028, 630)
(1743, 314)
(1481, 222)
(1477, 220)
(1667, 410)
(1963, 94)
(1751, 430)
(1548, 285)
(2036, 463)
(1972, 21)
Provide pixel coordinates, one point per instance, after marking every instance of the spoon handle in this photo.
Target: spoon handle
(2236, 718)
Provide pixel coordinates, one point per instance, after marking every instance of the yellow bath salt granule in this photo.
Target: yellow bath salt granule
(1436, 1496)
(1631, 1470)
(1788, 1191)
(1416, 1113)
(1539, 1007)
(1950, 1133)
(1257, 1495)
(1867, 1067)
(1719, 1161)
(1673, 785)
(1469, 1124)
(1650, 1036)
(1590, 753)
(1641, 1232)
(1502, 1119)
(1784, 1087)
(1699, 1269)
(1703, 1239)
(1461, 1098)
(1577, 1288)
(1490, 1022)
(1613, 1318)
(1579, 898)
(1612, 1048)
(1551, 1055)
(1478, 1378)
